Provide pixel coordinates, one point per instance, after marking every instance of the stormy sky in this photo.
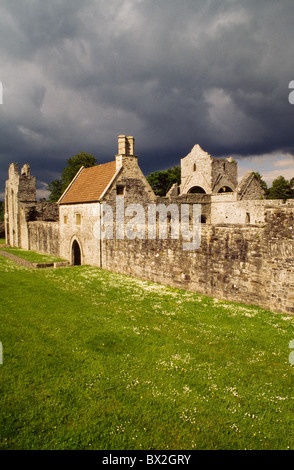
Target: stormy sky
(172, 73)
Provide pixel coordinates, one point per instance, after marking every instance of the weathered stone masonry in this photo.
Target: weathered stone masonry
(247, 264)
(29, 224)
(247, 243)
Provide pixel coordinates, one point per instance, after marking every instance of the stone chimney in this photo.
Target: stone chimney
(126, 151)
(126, 145)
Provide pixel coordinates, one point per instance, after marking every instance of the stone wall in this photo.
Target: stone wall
(43, 210)
(21, 206)
(250, 188)
(249, 264)
(224, 173)
(79, 222)
(44, 237)
(226, 209)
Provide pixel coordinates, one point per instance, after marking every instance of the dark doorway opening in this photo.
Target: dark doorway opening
(76, 254)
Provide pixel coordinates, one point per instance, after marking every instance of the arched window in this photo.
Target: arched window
(196, 190)
(194, 167)
(225, 189)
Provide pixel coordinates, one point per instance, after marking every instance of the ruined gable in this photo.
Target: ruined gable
(21, 208)
(249, 187)
(201, 173)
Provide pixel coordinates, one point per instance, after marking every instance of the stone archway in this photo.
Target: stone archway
(196, 190)
(225, 189)
(76, 253)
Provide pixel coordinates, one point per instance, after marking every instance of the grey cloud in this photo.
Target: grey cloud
(172, 73)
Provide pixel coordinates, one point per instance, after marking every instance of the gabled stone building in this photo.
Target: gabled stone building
(80, 205)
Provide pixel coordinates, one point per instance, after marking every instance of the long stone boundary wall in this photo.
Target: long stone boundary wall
(245, 263)
(253, 264)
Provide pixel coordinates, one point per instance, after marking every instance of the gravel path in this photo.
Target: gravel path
(16, 259)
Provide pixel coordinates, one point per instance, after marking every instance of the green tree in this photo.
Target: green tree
(280, 189)
(57, 187)
(162, 181)
(292, 187)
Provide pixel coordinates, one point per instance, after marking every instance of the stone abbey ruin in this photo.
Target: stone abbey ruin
(246, 251)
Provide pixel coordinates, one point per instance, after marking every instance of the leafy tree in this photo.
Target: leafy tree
(280, 189)
(162, 181)
(57, 187)
(292, 187)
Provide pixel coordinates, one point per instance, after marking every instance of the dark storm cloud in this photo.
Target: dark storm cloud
(172, 73)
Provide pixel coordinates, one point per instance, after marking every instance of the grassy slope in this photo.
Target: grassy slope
(94, 360)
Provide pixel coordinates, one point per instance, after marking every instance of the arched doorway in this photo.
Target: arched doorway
(76, 253)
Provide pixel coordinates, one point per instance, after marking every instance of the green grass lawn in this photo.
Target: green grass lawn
(96, 360)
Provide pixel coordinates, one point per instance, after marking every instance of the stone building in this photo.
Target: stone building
(22, 210)
(246, 252)
(81, 204)
(201, 173)
(20, 192)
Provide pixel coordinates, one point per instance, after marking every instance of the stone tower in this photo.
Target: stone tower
(201, 173)
(19, 188)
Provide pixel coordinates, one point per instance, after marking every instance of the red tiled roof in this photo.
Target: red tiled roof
(90, 184)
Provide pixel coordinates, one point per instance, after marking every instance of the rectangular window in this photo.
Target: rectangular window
(120, 190)
(65, 219)
(78, 219)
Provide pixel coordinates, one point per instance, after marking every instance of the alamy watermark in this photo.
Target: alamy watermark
(153, 221)
(1, 353)
(291, 94)
(1, 93)
(291, 355)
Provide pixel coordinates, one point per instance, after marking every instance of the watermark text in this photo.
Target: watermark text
(291, 355)
(152, 221)
(291, 94)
